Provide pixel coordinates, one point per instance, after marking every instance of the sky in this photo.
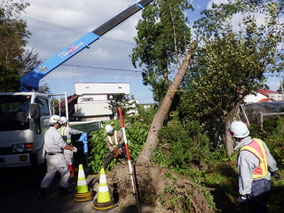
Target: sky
(54, 26)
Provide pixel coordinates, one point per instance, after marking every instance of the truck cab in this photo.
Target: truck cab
(24, 119)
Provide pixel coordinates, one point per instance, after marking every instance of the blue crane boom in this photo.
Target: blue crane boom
(31, 80)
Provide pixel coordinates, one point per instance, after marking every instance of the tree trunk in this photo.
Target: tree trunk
(228, 138)
(152, 138)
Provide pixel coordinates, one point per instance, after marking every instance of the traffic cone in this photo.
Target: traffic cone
(104, 201)
(83, 193)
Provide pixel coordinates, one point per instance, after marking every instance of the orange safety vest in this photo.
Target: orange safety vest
(257, 148)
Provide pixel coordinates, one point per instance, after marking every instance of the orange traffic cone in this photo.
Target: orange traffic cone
(104, 201)
(83, 193)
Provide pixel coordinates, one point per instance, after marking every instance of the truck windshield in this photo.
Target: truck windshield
(14, 110)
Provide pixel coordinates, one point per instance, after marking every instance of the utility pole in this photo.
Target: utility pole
(281, 84)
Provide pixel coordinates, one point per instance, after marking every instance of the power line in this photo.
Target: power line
(62, 27)
(102, 68)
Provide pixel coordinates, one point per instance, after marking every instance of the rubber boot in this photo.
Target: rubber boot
(41, 194)
(72, 172)
(64, 191)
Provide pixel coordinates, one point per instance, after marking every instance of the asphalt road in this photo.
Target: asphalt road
(18, 193)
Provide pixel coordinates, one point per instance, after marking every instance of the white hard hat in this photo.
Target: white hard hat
(239, 129)
(108, 129)
(54, 119)
(63, 120)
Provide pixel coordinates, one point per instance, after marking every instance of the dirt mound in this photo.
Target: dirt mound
(158, 187)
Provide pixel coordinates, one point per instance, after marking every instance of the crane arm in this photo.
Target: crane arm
(31, 80)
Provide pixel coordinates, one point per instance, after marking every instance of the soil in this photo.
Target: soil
(158, 187)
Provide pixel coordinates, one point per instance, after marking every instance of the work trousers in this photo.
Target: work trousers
(257, 199)
(56, 163)
(68, 155)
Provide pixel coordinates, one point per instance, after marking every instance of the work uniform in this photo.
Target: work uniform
(254, 164)
(54, 145)
(114, 140)
(66, 132)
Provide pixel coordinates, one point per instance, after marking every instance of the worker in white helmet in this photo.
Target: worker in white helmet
(115, 144)
(66, 132)
(54, 146)
(255, 166)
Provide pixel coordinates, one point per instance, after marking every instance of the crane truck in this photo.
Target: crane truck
(24, 115)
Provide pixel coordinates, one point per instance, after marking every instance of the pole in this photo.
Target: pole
(243, 109)
(128, 159)
(66, 108)
(281, 85)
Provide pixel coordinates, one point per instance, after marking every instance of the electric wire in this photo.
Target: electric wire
(71, 29)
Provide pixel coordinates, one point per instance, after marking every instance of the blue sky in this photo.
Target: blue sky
(55, 26)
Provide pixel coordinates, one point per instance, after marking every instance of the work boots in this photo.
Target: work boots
(64, 191)
(72, 172)
(41, 194)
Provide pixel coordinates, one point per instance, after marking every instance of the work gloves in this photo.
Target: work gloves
(75, 149)
(242, 199)
(275, 175)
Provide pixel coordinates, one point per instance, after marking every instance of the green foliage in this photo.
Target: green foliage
(9, 80)
(162, 41)
(188, 143)
(273, 135)
(136, 133)
(125, 102)
(230, 64)
(16, 59)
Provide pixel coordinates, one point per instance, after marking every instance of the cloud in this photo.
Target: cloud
(218, 2)
(55, 26)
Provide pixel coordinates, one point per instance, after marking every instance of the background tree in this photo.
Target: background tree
(9, 79)
(14, 37)
(162, 42)
(230, 66)
(125, 102)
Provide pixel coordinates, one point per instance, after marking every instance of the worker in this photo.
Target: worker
(66, 132)
(255, 166)
(115, 144)
(54, 146)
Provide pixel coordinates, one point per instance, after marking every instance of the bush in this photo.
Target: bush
(136, 134)
(183, 145)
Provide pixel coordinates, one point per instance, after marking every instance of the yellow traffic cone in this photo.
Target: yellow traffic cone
(104, 201)
(83, 193)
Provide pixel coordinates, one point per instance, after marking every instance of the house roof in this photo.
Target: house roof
(266, 100)
(266, 91)
(69, 100)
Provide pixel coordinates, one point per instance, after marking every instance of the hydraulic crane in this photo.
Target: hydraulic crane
(30, 81)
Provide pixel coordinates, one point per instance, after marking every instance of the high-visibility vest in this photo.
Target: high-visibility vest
(115, 139)
(257, 148)
(62, 129)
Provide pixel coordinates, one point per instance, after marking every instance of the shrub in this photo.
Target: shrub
(136, 133)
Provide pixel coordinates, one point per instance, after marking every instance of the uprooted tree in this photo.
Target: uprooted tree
(227, 65)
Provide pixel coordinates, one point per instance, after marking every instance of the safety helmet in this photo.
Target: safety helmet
(63, 120)
(108, 129)
(54, 119)
(239, 129)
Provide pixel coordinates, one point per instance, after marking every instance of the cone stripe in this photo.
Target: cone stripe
(103, 188)
(82, 186)
(81, 183)
(81, 174)
(103, 179)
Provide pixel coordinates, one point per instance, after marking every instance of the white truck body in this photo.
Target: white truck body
(21, 134)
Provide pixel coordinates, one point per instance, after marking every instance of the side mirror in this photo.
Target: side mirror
(34, 111)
